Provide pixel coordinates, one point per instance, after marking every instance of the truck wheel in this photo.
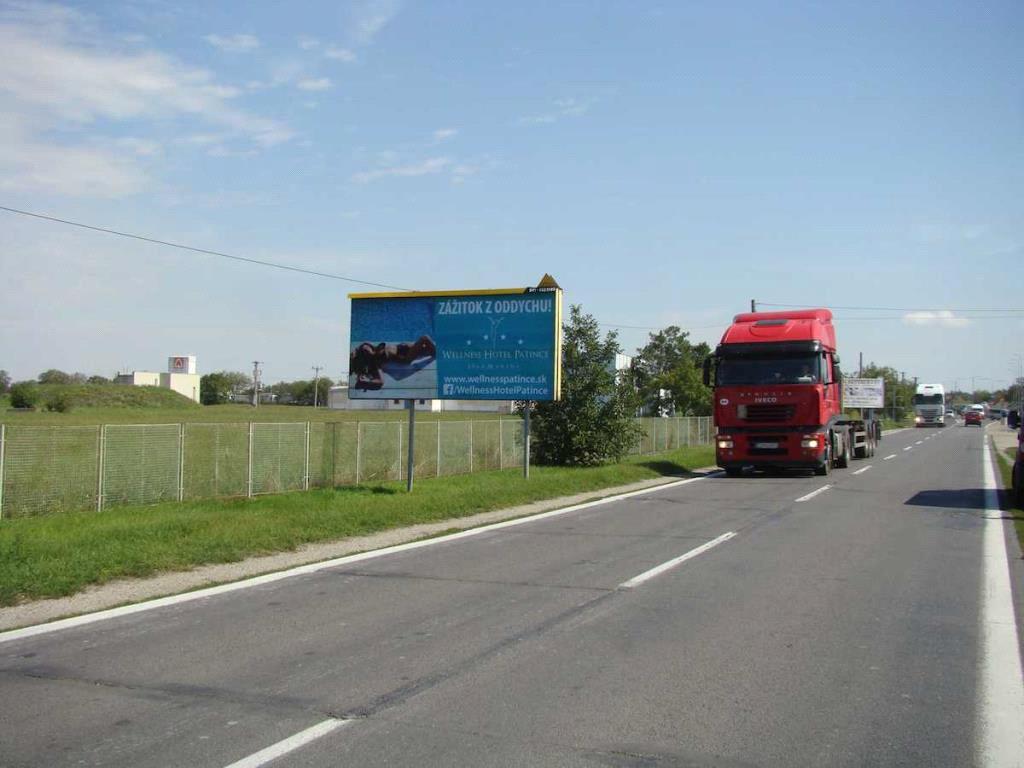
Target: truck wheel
(825, 467)
(844, 455)
(862, 451)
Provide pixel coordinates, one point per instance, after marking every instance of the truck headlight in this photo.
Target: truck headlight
(809, 442)
(917, 419)
(722, 443)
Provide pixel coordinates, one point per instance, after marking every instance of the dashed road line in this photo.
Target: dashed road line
(862, 470)
(660, 569)
(890, 456)
(812, 494)
(293, 742)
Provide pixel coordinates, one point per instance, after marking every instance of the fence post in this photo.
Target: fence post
(471, 446)
(99, 467)
(3, 450)
(399, 450)
(359, 447)
(248, 482)
(501, 449)
(438, 448)
(305, 474)
(181, 462)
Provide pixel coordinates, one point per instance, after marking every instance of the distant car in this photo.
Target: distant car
(972, 417)
(950, 414)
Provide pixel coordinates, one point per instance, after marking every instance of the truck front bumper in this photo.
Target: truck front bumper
(791, 450)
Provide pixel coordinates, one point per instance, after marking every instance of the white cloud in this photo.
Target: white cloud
(442, 134)
(370, 17)
(317, 84)
(340, 54)
(57, 73)
(568, 107)
(430, 166)
(233, 43)
(308, 43)
(943, 318)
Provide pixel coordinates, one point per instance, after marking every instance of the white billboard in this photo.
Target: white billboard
(863, 393)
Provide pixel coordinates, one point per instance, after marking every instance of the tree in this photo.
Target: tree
(592, 423)
(98, 380)
(668, 374)
(5, 381)
(53, 376)
(24, 394)
(215, 388)
(899, 393)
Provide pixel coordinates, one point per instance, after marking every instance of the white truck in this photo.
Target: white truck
(930, 406)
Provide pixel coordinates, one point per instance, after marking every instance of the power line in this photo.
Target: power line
(899, 309)
(206, 251)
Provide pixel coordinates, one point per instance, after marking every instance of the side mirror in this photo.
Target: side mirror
(1013, 419)
(707, 371)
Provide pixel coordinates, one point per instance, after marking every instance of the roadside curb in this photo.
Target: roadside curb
(132, 591)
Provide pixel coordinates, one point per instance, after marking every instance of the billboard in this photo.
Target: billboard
(496, 344)
(863, 393)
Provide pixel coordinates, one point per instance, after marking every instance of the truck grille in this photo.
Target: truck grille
(770, 413)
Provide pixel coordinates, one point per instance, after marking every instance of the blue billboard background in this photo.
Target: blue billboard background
(489, 346)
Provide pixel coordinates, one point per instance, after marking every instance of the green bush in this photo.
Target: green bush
(59, 402)
(24, 394)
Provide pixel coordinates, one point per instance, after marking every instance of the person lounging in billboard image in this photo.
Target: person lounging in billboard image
(368, 361)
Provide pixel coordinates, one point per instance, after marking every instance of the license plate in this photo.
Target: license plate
(766, 445)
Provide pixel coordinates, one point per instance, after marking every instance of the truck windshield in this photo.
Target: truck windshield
(927, 399)
(798, 369)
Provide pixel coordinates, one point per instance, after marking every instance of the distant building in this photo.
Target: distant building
(181, 376)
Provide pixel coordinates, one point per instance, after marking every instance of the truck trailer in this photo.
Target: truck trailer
(778, 396)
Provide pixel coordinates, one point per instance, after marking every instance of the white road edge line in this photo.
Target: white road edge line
(812, 494)
(865, 469)
(660, 569)
(1001, 693)
(919, 442)
(908, 448)
(890, 456)
(267, 578)
(293, 742)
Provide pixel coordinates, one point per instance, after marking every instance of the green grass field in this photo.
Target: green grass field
(63, 553)
(1015, 513)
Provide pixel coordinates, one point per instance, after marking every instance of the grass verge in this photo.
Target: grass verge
(61, 554)
(1006, 459)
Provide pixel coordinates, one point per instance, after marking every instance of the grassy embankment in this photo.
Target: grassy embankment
(61, 554)
(120, 404)
(1015, 513)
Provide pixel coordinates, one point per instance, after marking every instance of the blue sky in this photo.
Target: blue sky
(665, 162)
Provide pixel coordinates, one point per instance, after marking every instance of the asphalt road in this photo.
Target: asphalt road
(844, 629)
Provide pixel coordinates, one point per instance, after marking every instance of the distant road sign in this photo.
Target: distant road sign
(863, 393)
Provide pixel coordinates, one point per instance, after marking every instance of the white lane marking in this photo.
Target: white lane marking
(812, 494)
(909, 448)
(919, 442)
(890, 456)
(660, 569)
(865, 469)
(267, 578)
(1001, 693)
(283, 747)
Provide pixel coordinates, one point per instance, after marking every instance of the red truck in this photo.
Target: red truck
(778, 396)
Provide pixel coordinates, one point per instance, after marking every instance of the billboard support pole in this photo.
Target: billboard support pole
(526, 442)
(411, 405)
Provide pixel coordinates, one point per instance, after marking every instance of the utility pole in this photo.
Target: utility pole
(860, 368)
(753, 305)
(316, 387)
(256, 383)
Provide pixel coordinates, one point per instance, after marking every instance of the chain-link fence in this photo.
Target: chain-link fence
(63, 469)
